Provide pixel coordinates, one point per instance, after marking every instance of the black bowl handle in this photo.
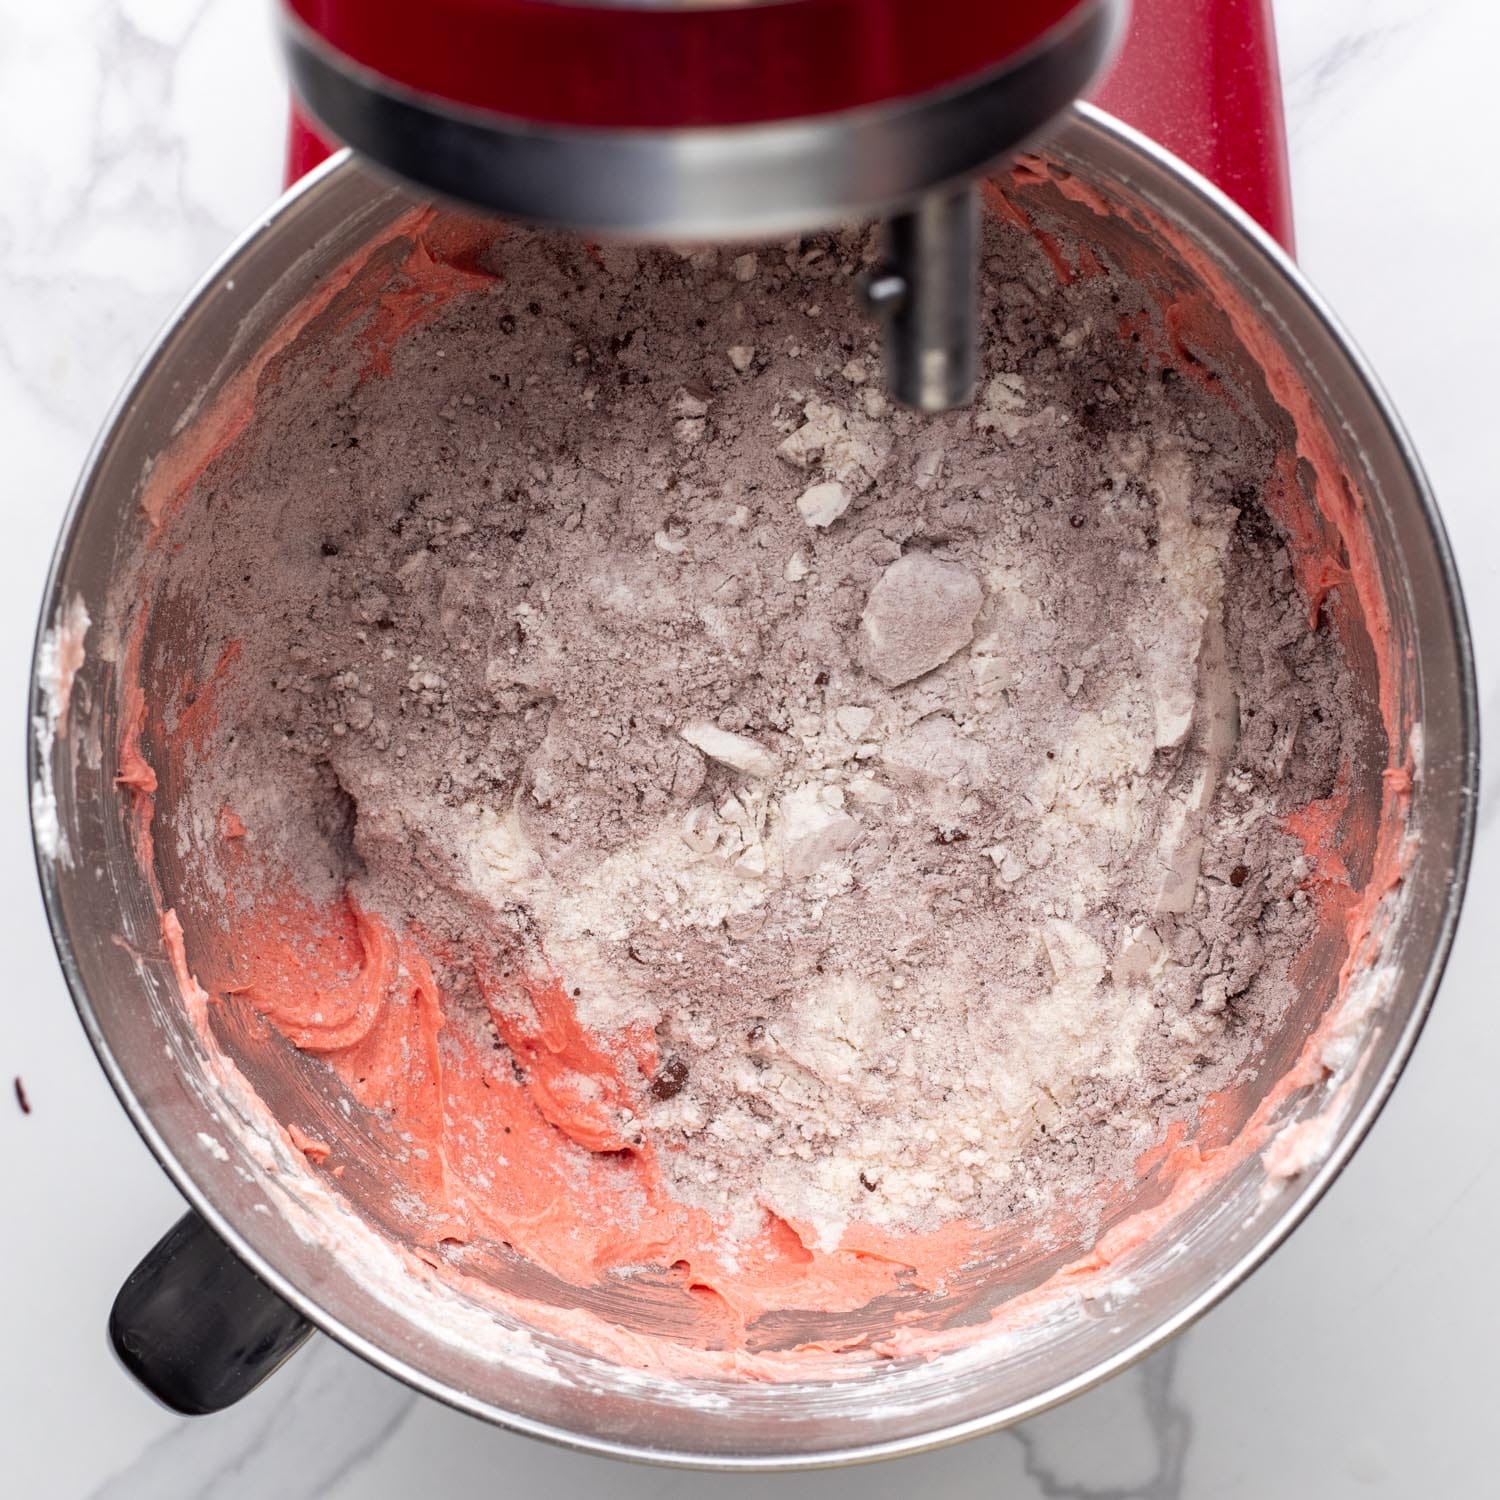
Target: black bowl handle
(196, 1326)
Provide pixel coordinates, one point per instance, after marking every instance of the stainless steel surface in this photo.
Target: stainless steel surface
(927, 294)
(130, 1007)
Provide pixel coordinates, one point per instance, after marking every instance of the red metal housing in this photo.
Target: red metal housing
(634, 64)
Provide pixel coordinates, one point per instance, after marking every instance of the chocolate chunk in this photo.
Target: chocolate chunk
(669, 1079)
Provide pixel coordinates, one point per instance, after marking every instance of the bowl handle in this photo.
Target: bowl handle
(196, 1326)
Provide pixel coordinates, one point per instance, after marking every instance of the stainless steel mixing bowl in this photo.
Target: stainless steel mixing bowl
(105, 920)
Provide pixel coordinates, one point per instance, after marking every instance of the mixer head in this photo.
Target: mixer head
(718, 119)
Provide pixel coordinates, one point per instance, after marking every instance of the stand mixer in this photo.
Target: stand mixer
(719, 119)
(735, 119)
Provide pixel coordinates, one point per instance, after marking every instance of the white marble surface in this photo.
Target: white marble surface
(139, 136)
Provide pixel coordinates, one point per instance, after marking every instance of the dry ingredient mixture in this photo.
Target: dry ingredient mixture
(918, 781)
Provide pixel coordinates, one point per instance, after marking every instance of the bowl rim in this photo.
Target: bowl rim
(1254, 241)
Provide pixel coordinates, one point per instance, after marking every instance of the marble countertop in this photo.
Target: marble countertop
(140, 136)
